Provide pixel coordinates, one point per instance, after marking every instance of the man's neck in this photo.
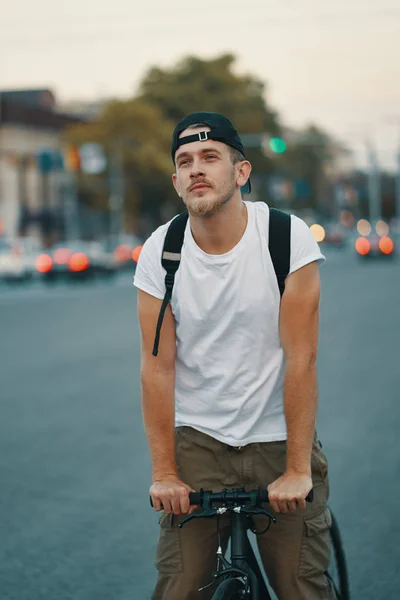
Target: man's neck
(221, 232)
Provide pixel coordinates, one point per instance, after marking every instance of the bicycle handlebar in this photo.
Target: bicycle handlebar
(232, 497)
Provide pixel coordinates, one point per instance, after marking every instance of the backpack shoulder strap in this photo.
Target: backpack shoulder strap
(170, 260)
(279, 244)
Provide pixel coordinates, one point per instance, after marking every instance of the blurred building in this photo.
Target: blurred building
(86, 110)
(30, 132)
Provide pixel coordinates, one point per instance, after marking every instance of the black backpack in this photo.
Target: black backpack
(279, 248)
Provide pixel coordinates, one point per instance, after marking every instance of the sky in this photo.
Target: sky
(336, 64)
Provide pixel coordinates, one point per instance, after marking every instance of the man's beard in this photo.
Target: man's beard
(207, 207)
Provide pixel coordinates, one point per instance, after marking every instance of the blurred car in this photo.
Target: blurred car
(124, 249)
(76, 260)
(374, 240)
(103, 262)
(375, 246)
(18, 258)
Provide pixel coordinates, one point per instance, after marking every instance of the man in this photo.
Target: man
(231, 398)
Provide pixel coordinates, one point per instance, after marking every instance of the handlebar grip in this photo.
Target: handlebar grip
(194, 498)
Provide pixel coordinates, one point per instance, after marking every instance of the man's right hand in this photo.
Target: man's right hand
(171, 495)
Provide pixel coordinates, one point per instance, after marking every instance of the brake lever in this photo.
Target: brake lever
(257, 511)
(204, 514)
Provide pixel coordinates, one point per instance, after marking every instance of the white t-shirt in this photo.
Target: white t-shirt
(230, 363)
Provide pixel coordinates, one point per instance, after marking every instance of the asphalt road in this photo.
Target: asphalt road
(74, 469)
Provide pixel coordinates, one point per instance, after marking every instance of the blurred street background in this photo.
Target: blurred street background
(89, 97)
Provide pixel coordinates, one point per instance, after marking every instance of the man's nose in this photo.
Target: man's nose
(197, 169)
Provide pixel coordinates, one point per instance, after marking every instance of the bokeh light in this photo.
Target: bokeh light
(277, 145)
(386, 245)
(382, 228)
(78, 262)
(61, 256)
(123, 252)
(318, 232)
(363, 246)
(44, 263)
(364, 227)
(347, 218)
(136, 253)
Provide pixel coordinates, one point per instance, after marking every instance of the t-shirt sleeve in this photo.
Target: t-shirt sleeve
(304, 248)
(149, 274)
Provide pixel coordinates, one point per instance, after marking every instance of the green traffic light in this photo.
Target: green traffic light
(277, 145)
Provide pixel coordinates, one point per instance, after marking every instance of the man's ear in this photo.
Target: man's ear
(244, 173)
(176, 185)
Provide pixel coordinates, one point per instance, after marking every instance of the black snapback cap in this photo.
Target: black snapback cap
(221, 130)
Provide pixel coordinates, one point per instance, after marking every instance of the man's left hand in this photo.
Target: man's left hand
(289, 492)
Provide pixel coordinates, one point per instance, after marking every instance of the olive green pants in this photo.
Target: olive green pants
(295, 551)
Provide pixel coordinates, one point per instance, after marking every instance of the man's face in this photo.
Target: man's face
(205, 177)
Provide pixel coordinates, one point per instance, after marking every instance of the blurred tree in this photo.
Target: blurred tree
(210, 85)
(137, 136)
(195, 84)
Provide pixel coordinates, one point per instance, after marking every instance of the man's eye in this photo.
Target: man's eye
(183, 162)
(210, 156)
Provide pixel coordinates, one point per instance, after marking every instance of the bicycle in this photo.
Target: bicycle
(242, 577)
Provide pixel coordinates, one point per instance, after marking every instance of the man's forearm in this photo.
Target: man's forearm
(300, 405)
(158, 406)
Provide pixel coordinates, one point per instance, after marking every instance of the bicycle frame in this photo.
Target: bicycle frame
(243, 557)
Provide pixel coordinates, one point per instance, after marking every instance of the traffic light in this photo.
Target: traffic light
(72, 159)
(49, 160)
(277, 145)
(44, 160)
